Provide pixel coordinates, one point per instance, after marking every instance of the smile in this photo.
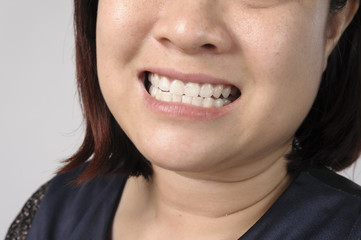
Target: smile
(204, 95)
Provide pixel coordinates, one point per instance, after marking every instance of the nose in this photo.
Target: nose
(192, 26)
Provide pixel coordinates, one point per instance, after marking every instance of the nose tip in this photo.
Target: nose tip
(192, 31)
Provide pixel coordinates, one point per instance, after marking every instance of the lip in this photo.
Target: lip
(180, 110)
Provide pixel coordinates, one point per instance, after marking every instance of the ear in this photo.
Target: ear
(337, 24)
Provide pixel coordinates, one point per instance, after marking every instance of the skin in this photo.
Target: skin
(273, 50)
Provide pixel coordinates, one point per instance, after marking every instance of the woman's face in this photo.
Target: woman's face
(272, 51)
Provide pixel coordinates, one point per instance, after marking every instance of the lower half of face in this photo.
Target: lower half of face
(166, 69)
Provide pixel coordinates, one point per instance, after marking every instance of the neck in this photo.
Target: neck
(191, 204)
(211, 197)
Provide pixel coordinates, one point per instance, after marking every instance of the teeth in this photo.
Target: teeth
(186, 99)
(154, 79)
(153, 91)
(192, 89)
(205, 95)
(177, 87)
(226, 101)
(164, 84)
(208, 102)
(158, 95)
(218, 103)
(177, 98)
(197, 101)
(226, 92)
(166, 97)
(206, 90)
(217, 91)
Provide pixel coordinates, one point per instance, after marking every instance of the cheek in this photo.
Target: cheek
(121, 28)
(283, 47)
(288, 51)
(283, 57)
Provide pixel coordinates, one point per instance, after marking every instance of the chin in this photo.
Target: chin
(179, 161)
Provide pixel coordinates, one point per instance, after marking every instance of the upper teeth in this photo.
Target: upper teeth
(205, 95)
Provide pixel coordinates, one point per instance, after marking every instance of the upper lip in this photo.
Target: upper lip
(187, 77)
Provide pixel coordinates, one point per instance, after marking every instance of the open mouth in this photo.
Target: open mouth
(204, 95)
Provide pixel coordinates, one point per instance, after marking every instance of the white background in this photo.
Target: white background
(40, 119)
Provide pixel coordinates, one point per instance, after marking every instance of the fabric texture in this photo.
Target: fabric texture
(19, 228)
(75, 212)
(319, 205)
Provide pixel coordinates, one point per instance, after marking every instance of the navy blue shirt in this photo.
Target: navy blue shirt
(318, 204)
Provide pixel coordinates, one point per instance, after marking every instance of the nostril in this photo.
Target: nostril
(209, 46)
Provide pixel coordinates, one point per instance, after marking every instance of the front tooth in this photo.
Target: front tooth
(226, 91)
(164, 84)
(153, 91)
(186, 99)
(208, 102)
(177, 87)
(191, 89)
(218, 103)
(154, 79)
(206, 90)
(176, 98)
(217, 91)
(197, 101)
(166, 97)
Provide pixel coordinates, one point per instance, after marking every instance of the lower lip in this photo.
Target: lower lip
(184, 111)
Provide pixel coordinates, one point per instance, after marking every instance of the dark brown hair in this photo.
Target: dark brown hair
(330, 135)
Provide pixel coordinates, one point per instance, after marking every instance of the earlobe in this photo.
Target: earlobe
(337, 23)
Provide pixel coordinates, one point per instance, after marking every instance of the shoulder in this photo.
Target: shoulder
(20, 226)
(335, 200)
(318, 204)
(77, 211)
(62, 205)
(64, 192)
(336, 183)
